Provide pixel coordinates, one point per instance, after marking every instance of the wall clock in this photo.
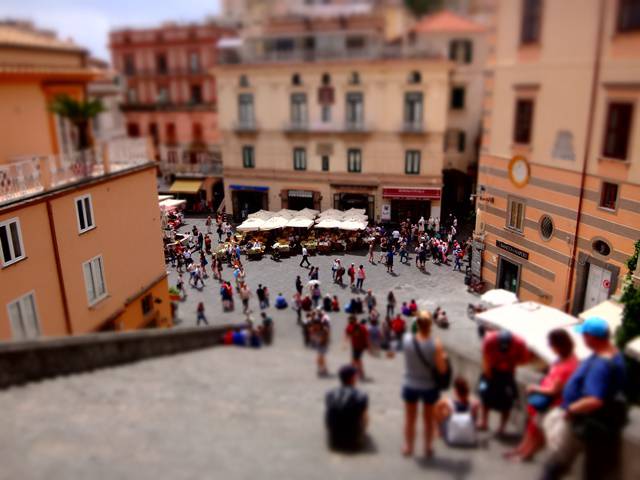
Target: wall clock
(519, 171)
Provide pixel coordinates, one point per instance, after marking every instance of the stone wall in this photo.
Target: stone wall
(22, 362)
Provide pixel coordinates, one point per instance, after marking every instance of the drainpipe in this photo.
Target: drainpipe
(61, 285)
(587, 149)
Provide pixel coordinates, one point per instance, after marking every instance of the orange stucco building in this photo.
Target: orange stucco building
(80, 242)
(559, 175)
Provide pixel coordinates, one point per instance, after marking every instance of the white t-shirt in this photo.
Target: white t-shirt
(304, 251)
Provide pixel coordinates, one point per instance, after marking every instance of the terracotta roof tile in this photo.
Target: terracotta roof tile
(446, 21)
(21, 35)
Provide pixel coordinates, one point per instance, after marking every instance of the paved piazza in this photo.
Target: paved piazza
(233, 413)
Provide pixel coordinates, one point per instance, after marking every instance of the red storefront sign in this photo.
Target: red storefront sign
(412, 193)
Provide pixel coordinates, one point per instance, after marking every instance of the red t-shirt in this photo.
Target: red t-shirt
(560, 372)
(358, 335)
(508, 360)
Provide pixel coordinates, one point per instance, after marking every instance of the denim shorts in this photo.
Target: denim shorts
(425, 395)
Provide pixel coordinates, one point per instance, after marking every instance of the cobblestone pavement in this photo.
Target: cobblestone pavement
(232, 413)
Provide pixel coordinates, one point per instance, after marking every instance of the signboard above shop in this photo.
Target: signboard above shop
(411, 193)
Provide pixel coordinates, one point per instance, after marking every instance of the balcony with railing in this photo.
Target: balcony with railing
(27, 176)
(183, 159)
(412, 126)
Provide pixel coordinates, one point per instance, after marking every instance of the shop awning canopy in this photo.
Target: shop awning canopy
(171, 204)
(533, 321)
(609, 310)
(261, 214)
(186, 186)
(328, 223)
(274, 223)
(412, 193)
(250, 225)
(498, 297)
(633, 349)
(300, 222)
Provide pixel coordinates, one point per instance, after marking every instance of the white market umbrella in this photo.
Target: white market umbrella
(328, 223)
(314, 282)
(250, 225)
(307, 212)
(274, 223)
(498, 297)
(352, 225)
(300, 222)
(359, 211)
(331, 213)
(261, 214)
(286, 213)
(532, 322)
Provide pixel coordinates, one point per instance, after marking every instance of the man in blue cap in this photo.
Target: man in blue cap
(595, 409)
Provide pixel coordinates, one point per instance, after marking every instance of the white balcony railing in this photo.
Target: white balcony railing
(183, 159)
(30, 175)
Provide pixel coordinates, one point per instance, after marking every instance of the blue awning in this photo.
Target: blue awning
(253, 188)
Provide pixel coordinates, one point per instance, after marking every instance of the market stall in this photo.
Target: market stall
(533, 321)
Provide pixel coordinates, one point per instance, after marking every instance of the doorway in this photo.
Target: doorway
(413, 209)
(346, 201)
(508, 275)
(246, 202)
(598, 285)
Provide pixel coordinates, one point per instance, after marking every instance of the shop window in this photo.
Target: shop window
(523, 123)
(461, 50)
(457, 98)
(23, 318)
(515, 215)
(299, 159)
(617, 130)
(325, 163)
(84, 213)
(412, 162)
(546, 227)
(609, 196)
(248, 158)
(354, 160)
(531, 21)
(94, 280)
(628, 15)
(11, 246)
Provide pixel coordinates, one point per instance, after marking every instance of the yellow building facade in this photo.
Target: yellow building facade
(559, 175)
(80, 241)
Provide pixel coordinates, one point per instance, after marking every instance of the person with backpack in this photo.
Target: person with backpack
(457, 416)
(594, 409)
(425, 367)
(357, 334)
(346, 413)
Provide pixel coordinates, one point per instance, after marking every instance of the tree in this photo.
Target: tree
(421, 7)
(630, 327)
(79, 113)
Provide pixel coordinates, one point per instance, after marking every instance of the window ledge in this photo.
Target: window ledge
(522, 147)
(608, 210)
(86, 230)
(13, 262)
(93, 305)
(619, 161)
(514, 230)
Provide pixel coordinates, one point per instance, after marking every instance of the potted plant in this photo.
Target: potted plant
(174, 294)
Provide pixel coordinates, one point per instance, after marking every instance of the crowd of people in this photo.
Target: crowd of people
(578, 406)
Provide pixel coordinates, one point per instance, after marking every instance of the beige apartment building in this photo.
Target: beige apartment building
(559, 179)
(323, 112)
